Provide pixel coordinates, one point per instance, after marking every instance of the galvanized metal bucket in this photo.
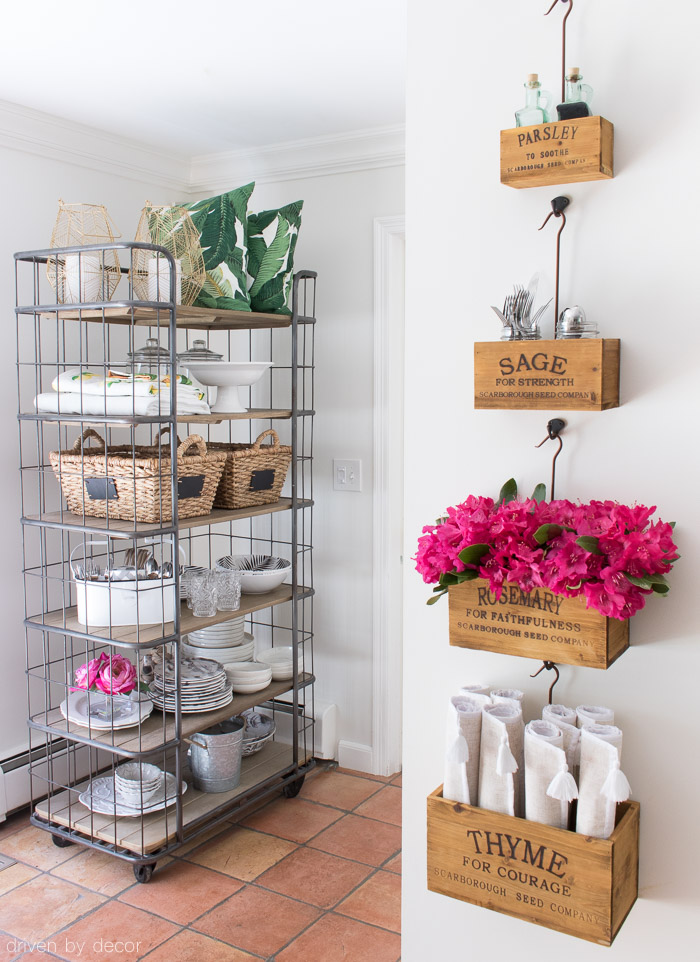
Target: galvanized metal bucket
(215, 756)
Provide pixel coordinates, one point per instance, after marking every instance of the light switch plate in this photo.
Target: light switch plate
(347, 475)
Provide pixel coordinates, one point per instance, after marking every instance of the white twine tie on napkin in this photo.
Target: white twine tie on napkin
(601, 783)
(565, 720)
(461, 782)
(549, 785)
(507, 695)
(501, 766)
(587, 715)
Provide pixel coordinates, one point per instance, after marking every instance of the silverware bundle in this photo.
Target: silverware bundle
(519, 323)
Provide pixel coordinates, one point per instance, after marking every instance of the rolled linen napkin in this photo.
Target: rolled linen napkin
(514, 695)
(549, 785)
(474, 690)
(601, 783)
(559, 715)
(463, 748)
(587, 715)
(501, 765)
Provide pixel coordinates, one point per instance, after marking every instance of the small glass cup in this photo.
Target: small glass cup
(228, 590)
(203, 594)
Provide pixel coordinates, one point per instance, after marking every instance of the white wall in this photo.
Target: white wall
(33, 185)
(630, 256)
(336, 240)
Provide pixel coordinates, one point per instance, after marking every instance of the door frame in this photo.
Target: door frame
(387, 560)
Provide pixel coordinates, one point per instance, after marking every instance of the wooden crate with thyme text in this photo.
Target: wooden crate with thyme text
(557, 153)
(572, 883)
(565, 375)
(537, 624)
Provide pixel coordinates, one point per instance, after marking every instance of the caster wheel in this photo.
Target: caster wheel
(293, 788)
(61, 842)
(143, 873)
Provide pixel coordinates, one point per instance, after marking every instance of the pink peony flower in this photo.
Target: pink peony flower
(86, 675)
(117, 676)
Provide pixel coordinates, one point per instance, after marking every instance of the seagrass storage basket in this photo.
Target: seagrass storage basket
(133, 483)
(254, 474)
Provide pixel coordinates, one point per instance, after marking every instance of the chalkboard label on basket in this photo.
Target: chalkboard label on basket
(190, 487)
(261, 480)
(101, 489)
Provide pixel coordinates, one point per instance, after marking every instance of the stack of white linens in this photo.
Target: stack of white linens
(81, 391)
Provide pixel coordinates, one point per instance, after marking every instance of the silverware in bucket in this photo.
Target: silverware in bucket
(215, 756)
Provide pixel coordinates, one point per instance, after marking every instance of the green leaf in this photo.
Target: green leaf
(672, 524)
(275, 257)
(540, 493)
(546, 532)
(449, 578)
(660, 589)
(509, 492)
(648, 581)
(589, 544)
(431, 601)
(472, 553)
(469, 575)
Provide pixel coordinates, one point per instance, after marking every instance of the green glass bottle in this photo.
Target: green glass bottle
(538, 103)
(577, 97)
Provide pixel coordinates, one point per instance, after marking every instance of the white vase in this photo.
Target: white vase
(82, 279)
(159, 280)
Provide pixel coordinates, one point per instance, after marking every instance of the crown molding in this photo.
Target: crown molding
(42, 134)
(313, 157)
(35, 132)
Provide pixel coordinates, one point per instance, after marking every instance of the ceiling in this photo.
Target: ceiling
(197, 78)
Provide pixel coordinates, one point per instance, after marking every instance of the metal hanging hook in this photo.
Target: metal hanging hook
(559, 205)
(550, 666)
(554, 429)
(563, 43)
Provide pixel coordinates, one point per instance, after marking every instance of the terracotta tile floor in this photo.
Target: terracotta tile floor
(311, 879)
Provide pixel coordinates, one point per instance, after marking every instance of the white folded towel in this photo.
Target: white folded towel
(549, 785)
(501, 765)
(587, 715)
(559, 715)
(463, 749)
(474, 690)
(513, 695)
(119, 406)
(601, 783)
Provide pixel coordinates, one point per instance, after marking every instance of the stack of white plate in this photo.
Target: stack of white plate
(225, 656)
(203, 685)
(280, 660)
(248, 676)
(224, 635)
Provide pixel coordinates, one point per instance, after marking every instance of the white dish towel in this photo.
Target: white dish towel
(565, 720)
(549, 785)
(601, 783)
(512, 695)
(477, 689)
(502, 762)
(587, 715)
(461, 782)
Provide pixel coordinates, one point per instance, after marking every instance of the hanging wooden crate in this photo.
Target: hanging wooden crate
(572, 883)
(536, 624)
(561, 152)
(564, 375)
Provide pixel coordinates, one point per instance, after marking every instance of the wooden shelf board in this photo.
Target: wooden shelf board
(159, 727)
(197, 318)
(249, 415)
(130, 529)
(66, 619)
(152, 832)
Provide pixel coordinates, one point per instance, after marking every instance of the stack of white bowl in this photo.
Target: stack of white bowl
(246, 677)
(280, 660)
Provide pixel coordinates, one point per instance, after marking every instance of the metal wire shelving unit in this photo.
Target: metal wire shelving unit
(71, 753)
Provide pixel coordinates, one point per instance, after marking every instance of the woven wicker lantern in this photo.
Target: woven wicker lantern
(89, 276)
(171, 228)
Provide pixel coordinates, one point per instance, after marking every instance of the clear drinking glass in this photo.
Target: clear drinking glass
(203, 594)
(228, 590)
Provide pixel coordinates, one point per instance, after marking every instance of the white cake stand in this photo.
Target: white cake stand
(227, 377)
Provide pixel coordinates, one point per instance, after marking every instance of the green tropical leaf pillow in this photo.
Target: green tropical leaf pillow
(222, 224)
(272, 238)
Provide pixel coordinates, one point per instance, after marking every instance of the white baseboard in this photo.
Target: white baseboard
(325, 729)
(354, 756)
